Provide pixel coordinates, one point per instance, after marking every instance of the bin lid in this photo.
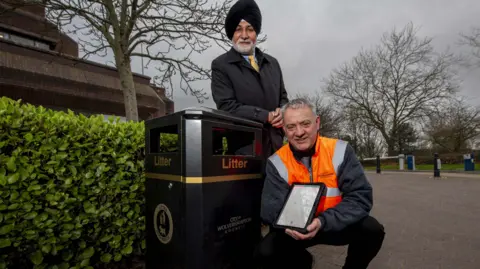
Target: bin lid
(207, 112)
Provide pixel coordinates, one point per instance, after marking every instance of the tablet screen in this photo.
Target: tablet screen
(299, 205)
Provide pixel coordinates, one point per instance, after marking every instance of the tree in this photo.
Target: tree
(364, 138)
(455, 127)
(168, 32)
(397, 82)
(330, 117)
(405, 137)
(472, 40)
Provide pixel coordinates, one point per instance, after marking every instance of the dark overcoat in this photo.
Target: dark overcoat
(242, 91)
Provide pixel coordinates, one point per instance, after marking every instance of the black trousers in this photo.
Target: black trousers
(364, 240)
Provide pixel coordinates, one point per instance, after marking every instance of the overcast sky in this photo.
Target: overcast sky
(311, 37)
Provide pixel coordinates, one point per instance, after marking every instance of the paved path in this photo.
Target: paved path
(429, 223)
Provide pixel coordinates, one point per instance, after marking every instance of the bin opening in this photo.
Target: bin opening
(164, 139)
(232, 142)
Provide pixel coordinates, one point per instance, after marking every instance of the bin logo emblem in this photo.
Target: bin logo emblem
(163, 223)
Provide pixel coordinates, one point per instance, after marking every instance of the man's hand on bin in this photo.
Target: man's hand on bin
(312, 231)
(275, 118)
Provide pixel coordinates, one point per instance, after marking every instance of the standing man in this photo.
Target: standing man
(247, 82)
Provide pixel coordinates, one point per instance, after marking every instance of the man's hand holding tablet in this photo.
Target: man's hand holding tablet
(312, 231)
(298, 212)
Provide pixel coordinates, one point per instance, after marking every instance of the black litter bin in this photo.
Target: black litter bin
(203, 189)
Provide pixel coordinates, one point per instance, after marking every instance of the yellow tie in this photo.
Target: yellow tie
(253, 63)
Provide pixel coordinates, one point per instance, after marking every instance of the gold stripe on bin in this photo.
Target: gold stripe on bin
(200, 180)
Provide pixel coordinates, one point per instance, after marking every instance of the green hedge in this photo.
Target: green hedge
(71, 188)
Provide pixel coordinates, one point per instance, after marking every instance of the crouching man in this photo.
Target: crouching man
(342, 216)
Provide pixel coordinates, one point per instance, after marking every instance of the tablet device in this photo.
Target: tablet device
(300, 206)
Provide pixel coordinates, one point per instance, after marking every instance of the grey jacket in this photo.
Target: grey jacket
(357, 196)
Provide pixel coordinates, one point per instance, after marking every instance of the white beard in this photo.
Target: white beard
(244, 49)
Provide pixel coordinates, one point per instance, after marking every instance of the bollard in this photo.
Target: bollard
(401, 162)
(467, 162)
(378, 165)
(436, 170)
(202, 195)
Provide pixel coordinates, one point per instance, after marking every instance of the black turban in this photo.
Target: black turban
(243, 9)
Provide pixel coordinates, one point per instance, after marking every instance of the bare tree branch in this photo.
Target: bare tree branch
(397, 82)
(472, 40)
(169, 33)
(364, 138)
(454, 127)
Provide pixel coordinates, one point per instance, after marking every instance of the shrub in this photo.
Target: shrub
(71, 188)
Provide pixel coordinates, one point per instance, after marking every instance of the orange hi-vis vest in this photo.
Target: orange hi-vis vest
(328, 156)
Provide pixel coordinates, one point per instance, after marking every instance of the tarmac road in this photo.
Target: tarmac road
(429, 223)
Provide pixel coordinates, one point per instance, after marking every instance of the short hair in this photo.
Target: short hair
(298, 103)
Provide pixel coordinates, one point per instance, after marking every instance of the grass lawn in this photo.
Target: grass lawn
(450, 167)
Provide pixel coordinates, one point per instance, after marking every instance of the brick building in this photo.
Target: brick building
(40, 65)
